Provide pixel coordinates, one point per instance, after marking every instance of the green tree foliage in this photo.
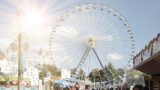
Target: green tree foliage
(133, 72)
(112, 72)
(73, 71)
(45, 68)
(13, 46)
(135, 77)
(81, 74)
(1, 54)
(121, 71)
(98, 75)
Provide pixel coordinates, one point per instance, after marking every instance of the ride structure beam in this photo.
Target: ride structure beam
(82, 59)
(106, 74)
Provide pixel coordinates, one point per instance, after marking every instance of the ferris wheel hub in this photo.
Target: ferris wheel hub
(90, 42)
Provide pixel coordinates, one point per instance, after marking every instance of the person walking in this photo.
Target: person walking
(77, 86)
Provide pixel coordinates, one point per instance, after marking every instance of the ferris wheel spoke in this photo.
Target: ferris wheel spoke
(72, 39)
(124, 34)
(109, 29)
(96, 23)
(89, 19)
(106, 27)
(103, 23)
(113, 35)
(72, 50)
(114, 50)
(83, 58)
(78, 55)
(92, 22)
(75, 55)
(69, 44)
(105, 31)
(70, 34)
(75, 62)
(113, 43)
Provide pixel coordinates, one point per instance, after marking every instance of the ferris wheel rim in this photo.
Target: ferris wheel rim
(114, 10)
(104, 5)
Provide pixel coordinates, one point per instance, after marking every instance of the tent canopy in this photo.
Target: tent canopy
(63, 83)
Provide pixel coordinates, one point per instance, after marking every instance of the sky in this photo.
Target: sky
(142, 15)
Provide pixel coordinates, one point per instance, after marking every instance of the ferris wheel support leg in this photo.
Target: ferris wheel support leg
(106, 74)
(83, 59)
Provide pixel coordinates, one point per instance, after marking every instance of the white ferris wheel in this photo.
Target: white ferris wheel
(90, 36)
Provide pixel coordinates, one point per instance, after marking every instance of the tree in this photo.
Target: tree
(53, 69)
(73, 71)
(112, 72)
(45, 68)
(81, 74)
(1, 54)
(134, 77)
(98, 74)
(121, 72)
(13, 46)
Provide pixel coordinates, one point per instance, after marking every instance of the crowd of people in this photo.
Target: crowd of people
(79, 86)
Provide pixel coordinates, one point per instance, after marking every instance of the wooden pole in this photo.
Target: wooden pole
(19, 62)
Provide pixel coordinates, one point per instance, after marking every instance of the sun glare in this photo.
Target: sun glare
(33, 18)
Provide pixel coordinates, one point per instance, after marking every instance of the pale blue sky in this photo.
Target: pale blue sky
(142, 15)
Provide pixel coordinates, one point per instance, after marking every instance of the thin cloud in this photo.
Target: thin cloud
(115, 57)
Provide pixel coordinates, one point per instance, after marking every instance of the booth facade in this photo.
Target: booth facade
(148, 61)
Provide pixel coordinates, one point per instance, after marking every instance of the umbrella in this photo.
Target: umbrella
(58, 82)
(63, 82)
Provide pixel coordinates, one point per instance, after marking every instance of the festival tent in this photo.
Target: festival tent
(63, 83)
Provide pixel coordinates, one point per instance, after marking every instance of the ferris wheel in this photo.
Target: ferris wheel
(90, 36)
